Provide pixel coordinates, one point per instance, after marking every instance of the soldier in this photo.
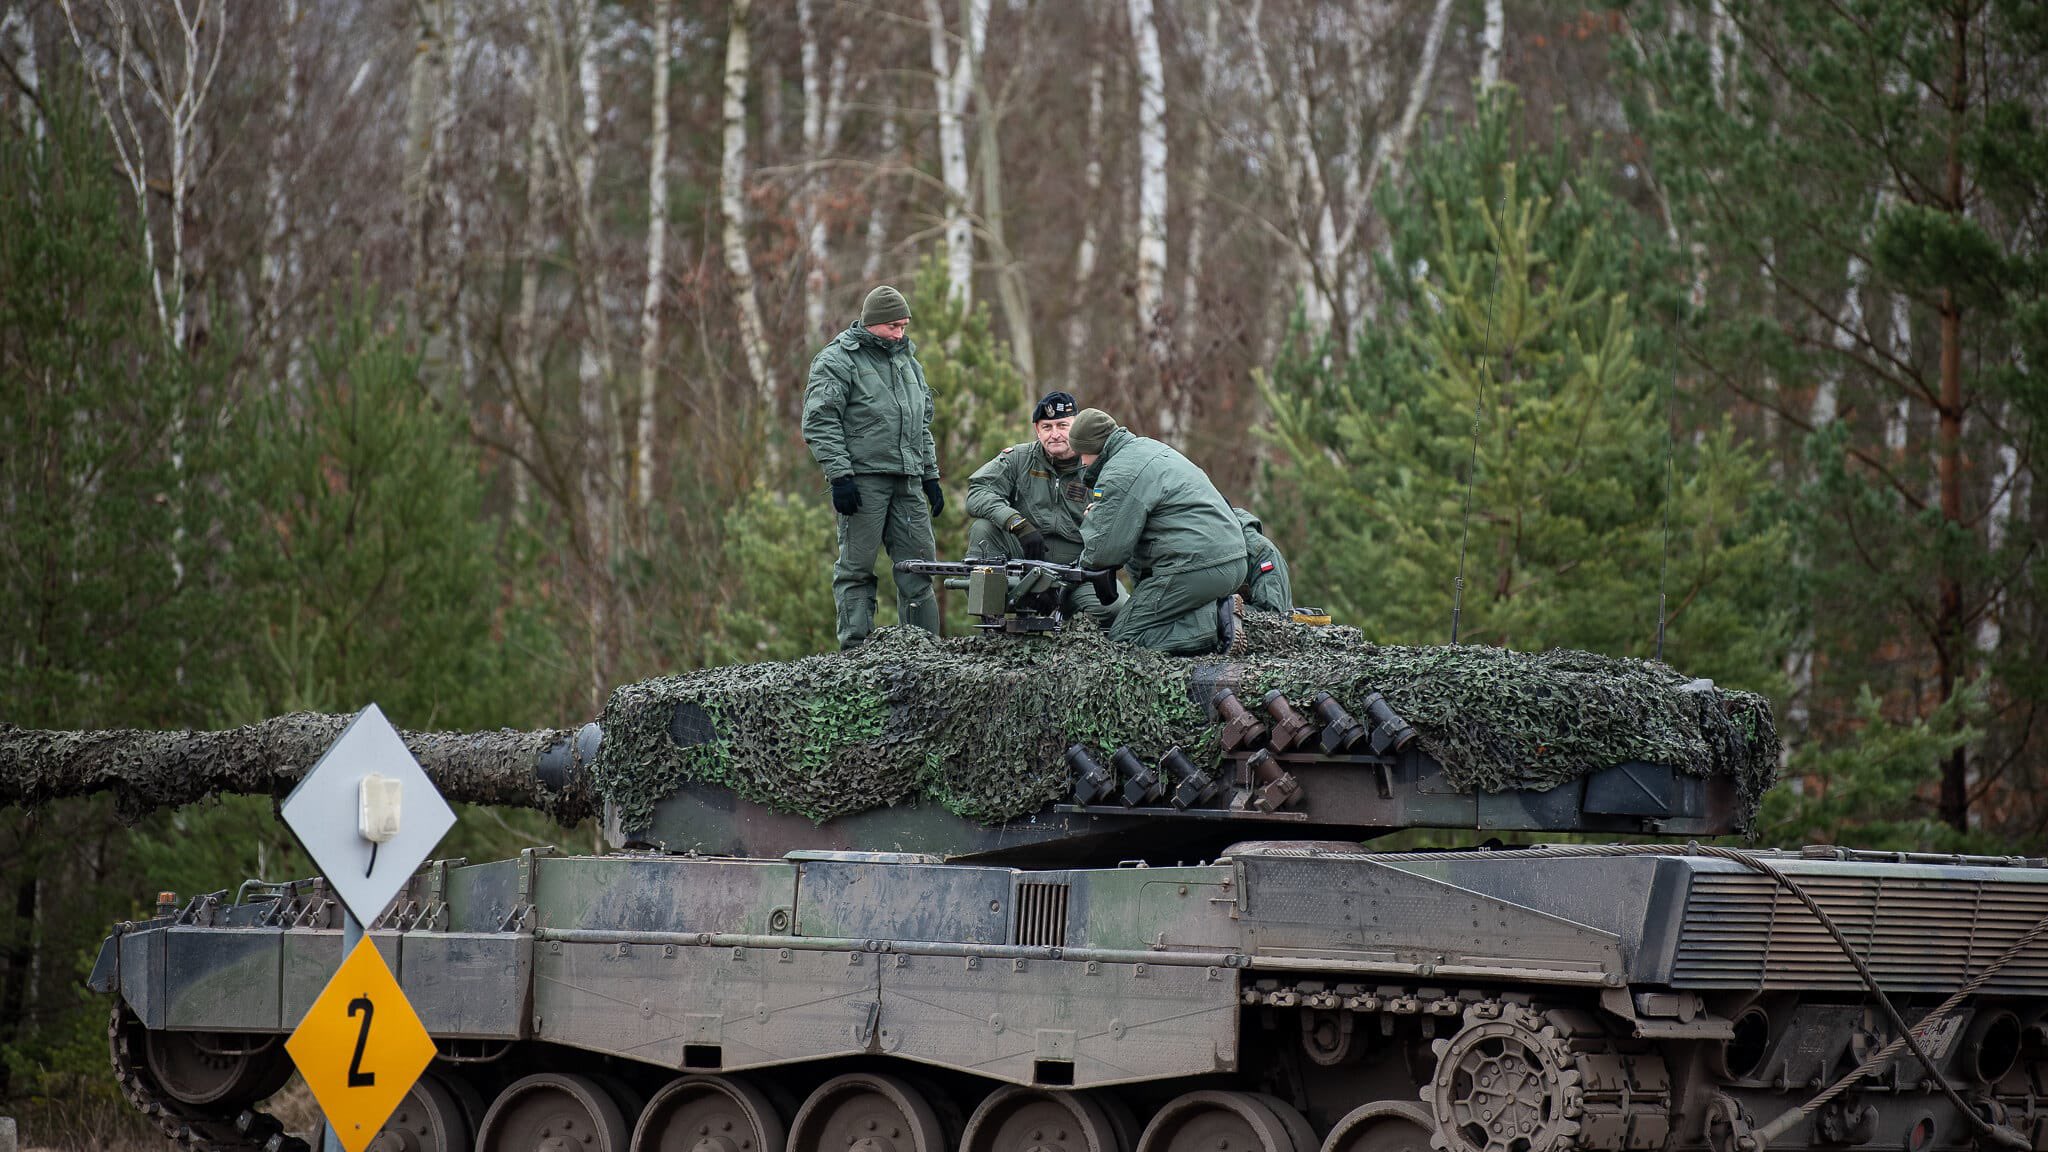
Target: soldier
(867, 420)
(1266, 582)
(1027, 502)
(1151, 510)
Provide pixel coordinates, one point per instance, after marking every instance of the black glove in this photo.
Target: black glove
(845, 496)
(1033, 543)
(935, 496)
(1105, 586)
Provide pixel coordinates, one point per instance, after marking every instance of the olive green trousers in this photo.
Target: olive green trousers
(894, 516)
(1175, 612)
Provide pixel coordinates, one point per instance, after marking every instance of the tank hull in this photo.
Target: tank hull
(1654, 998)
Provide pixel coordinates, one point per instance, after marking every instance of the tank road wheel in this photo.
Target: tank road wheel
(1382, 1126)
(553, 1112)
(428, 1119)
(710, 1114)
(1505, 1083)
(1227, 1122)
(219, 1070)
(862, 1112)
(1017, 1119)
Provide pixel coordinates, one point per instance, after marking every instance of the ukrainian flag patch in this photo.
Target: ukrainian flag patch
(1098, 493)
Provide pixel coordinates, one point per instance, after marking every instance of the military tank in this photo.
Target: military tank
(1187, 947)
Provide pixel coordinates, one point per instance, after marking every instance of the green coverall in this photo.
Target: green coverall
(1155, 513)
(1023, 483)
(1267, 585)
(868, 415)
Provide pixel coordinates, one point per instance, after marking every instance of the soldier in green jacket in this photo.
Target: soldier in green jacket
(867, 419)
(1267, 585)
(1027, 502)
(1151, 510)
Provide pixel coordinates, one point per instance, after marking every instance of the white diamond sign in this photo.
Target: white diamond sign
(333, 806)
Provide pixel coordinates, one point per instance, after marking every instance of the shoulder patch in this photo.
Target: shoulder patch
(1007, 451)
(1266, 567)
(1097, 493)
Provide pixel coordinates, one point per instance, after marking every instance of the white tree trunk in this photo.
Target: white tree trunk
(1492, 38)
(1198, 181)
(533, 234)
(657, 246)
(1084, 251)
(733, 208)
(1151, 232)
(824, 86)
(878, 210)
(1389, 152)
(186, 56)
(454, 204)
(1010, 289)
(280, 239)
(422, 108)
(952, 84)
(18, 25)
(1898, 420)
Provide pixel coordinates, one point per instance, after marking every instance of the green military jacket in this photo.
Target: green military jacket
(1267, 584)
(869, 410)
(1023, 481)
(1153, 511)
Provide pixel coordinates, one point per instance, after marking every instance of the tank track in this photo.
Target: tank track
(246, 1130)
(1601, 1092)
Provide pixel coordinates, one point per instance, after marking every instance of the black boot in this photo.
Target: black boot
(1226, 623)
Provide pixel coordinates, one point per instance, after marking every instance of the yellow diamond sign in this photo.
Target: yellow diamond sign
(360, 1047)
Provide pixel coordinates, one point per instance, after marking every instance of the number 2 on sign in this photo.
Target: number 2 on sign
(357, 1078)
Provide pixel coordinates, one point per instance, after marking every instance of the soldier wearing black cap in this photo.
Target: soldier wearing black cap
(1027, 502)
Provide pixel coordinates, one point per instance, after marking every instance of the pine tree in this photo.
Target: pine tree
(1861, 189)
(1514, 355)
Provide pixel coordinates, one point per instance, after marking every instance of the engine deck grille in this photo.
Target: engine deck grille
(1742, 931)
(1042, 914)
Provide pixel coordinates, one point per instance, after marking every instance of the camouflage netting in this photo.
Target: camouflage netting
(150, 770)
(979, 723)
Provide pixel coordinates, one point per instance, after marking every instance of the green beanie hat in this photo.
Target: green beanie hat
(1091, 431)
(884, 305)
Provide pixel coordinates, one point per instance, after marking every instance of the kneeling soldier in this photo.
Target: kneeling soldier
(1153, 511)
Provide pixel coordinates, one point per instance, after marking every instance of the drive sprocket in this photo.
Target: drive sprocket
(1505, 1082)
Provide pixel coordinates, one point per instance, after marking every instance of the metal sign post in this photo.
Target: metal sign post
(361, 1045)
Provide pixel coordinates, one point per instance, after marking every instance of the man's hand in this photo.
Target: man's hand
(1105, 586)
(935, 496)
(1028, 537)
(845, 496)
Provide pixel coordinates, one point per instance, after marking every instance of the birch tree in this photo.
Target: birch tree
(159, 60)
(1151, 181)
(733, 209)
(954, 60)
(1492, 39)
(657, 251)
(18, 32)
(825, 96)
(280, 240)
(1085, 248)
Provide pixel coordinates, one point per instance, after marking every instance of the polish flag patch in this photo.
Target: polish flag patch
(1266, 567)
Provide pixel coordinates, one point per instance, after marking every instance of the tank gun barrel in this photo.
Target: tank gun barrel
(546, 770)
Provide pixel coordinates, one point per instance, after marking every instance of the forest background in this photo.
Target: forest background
(447, 353)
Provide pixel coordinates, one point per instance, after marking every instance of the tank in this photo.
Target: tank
(1191, 949)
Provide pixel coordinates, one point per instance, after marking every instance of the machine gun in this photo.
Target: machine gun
(1009, 595)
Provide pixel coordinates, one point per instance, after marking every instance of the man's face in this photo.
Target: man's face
(893, 330)
(1052, 436)
(1088, 459)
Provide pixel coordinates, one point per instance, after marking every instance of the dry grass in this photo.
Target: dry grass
(97, 1124)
